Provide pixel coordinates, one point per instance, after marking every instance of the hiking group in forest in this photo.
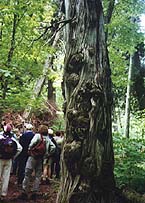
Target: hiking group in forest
(28, 155)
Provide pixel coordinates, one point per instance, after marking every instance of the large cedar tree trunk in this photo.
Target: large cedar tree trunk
(88, 160)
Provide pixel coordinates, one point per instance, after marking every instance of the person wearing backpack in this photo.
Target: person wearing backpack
(35, 161)
(24, 140)
(9, 150)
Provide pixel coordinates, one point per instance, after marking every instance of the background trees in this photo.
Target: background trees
(27, 32)
(25, 45)
(124, 39)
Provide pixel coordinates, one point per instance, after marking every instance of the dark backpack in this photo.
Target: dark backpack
(38, 150)
(8, 147)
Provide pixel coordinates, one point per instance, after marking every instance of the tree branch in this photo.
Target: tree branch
(55, 27)
(109, 11)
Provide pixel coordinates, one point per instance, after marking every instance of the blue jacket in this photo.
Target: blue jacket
(25, 140)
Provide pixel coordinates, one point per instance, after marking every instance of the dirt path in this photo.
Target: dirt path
(47, 193)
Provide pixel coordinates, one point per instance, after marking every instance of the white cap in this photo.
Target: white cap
(29, 126)
(50, 131)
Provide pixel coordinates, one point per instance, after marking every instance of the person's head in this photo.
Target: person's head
(7, 128)
(29, 126)
(17, 132)
(43, 130)
(50, 132)
(58, 133)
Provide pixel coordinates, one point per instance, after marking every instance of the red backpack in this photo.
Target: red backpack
(38, 150)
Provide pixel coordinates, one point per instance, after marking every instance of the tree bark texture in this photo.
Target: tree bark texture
(10, 54)
(132, 196)
(138, 86)
(88, 160)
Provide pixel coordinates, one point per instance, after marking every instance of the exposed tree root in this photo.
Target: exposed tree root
(132, 196)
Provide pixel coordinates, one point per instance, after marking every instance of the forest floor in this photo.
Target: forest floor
(47, 192)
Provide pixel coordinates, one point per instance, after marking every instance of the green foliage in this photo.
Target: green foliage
(138, 124)
(123, 38)
(22, 56)
(129, 162)
(38, 104)
(58, 123)
(17, 102)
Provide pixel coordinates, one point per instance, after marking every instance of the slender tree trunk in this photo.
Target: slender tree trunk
(138, 86)
(88, 160)
(108, 16)
(37, 88)
(51, 91)
(1, 31)
(10, 54)
(127, 104)
(41, 80)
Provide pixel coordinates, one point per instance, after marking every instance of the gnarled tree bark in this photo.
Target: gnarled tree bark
(88, 160)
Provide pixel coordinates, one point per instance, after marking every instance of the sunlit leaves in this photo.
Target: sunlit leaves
(29, 54)
(123, 38)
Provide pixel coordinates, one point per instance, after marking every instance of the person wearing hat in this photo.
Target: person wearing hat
(25, 140)
(6, 162)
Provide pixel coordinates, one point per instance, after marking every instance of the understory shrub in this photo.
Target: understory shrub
(129, 162)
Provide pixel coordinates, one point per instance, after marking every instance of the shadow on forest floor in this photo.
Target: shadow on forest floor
(47, 192)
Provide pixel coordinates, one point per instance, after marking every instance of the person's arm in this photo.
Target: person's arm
(35, 140)
(1, 135)
(52, 147)
(19, 147)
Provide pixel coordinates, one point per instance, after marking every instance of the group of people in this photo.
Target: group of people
(24, 165)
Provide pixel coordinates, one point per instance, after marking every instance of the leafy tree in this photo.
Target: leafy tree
(22, 55)
(124, 36)
(138, 87)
